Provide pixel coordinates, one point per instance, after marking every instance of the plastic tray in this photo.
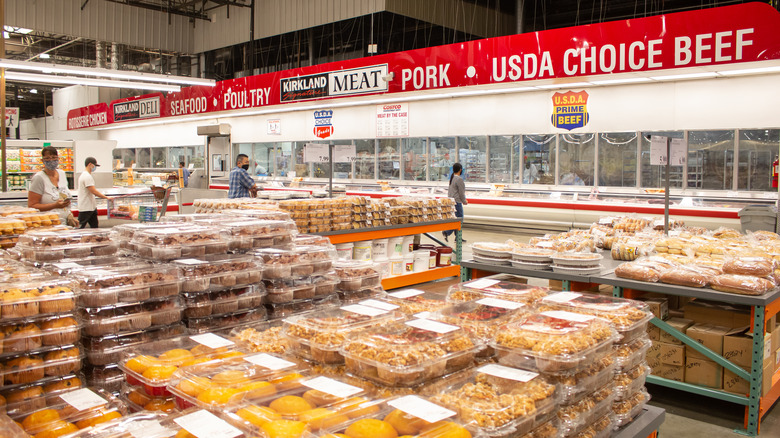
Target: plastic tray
(283, 310)
(577, 259)
(318, 336)
(171, 243)
(127, 318)
(409, 353)
(631, 354)
(38, 297)
(152, 365)
(25, 399)
(107, 350)
(531, 265)
(492, 250)
(219, 271)
(36, 335)
(355, 275)
(624, 411)
(218, 302)
(533, 255)
(554, 341)
(298, 262)
(225, 322)
(414, 301)
(129, 284)
(586, 409)
(492, 260)
(325, 284)
(631, 381)
(500, 401)
(628, 317)
(79, 409)
(575, 383)
(137, 400)
(53, 362)
(362, 294)
(285, 291)
(558, 269)
(263, 337)
(108, 378)
(65, 239)
(495, 288)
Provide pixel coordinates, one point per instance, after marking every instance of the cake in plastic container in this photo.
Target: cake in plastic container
(504, 289)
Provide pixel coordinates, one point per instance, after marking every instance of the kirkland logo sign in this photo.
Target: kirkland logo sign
(348, 82)
(137, 109)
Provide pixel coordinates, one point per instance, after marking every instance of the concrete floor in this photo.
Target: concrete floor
(687, 415)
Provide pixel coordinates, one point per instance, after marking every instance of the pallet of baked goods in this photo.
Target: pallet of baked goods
(23, 400)
(36, 297)
(131, 283)
(586, 411)
(628, 317)
(554, 341)
(408, 353)
(56, 361)
(411, 301)
(48, 246)
(218, 271)
(504, 287)
(576, 263)
(175, 242)
(573, 383)
(318, 336)
(152, 365)
(137, 400)
(109, 349)
(499, 401)
(626, 409)
(36, 335)
(297, 262)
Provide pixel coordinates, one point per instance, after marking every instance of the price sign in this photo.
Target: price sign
(658, 150)
(315, 153)
(678, 152)
(344, 153)
(274, 127)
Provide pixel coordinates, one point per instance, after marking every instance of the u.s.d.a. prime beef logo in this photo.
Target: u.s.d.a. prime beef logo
(323, 124)
(570, 110)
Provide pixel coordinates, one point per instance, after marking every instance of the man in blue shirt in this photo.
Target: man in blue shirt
(241, 184)
(185, 174)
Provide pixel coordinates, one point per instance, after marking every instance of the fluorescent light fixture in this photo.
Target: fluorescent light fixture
(102, 72)
(70, 80)
(571, 85)
(33, 91)
(44, 56)
(704, 75)
(621, 81)
(20, 30)
(751, 71)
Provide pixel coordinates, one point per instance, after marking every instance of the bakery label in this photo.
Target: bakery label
(503, 372)
(568, 316)
(502, 304)
(432, 326)
(212, 341)
(364, 310)
(562, 297)
(481, 283)
(271, 362)
(406, 293)
(148, 429)
(379, 305)
(423, 315)
(204, 424)
(82, 399)
(332, 387)
(423, 409)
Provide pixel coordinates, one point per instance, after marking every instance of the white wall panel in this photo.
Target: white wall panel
(103, 21)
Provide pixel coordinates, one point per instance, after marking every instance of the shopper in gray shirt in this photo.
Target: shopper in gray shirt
(457, 191)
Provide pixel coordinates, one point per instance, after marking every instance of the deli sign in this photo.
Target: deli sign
(349, 82)
(137, 109)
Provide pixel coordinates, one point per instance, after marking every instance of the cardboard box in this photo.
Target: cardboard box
(703, 372)
(738, 347)
(671, 372)
(743, 387)
(654, 352)
(771, 324)
(734, 384)
(707, 312)
(711, 336)
(767, 381)
(775, 339)
(659, 307)
(675, 313)
(777, 359)
(672, 354)
(653, 332)
(678, 323)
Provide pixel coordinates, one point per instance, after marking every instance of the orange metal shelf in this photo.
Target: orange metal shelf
(358, 236)
(771, 397)
(421, 277)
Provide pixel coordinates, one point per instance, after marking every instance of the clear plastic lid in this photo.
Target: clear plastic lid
(554, 341)
(78, 409)
(412, 301)
(10, 225)
(64, 239)
(188, 218)
(104, 286)
(586, 409)
(408, 353)
(218, 302)
(39, 296)
(137, 399)
(311, 240)
(319, 335)
(283, 310)
(499, 400)
(263, 337)
(25, 399)
(126, 318)
(626, 409)
(630, 354)
(219, 271)
(496, 288)
(260, 214)
(573, 383)
(53, 362)
(630, 381)
(107, 350)
(354, 275)
(298, 262)
(179, 242)
(38, 335)
(482, 318)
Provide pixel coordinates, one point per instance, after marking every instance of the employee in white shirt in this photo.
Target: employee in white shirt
(86, 188)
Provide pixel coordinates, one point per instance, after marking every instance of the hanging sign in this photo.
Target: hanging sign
(570, 110)
(12, 117)
(392, 120)
(344, 153)
(315, 153)
(678, 152)
(274, 127)
(658, 150)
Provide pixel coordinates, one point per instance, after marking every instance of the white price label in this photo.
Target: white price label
(508, 373)
(204, 424)
(332, 387)
(423, 315)
(568, 316)
(82, 399)
(271, 362)
(432, 326)
(678, 152)
(423, 409)
(562, 297)
(555, 195)
(148, 429)
(364, 310)
(212, 341)
(482, 283)
(658, 150)
(189, 261)
(67, 265)
(502, 304)
(379, 305)
(406, 293)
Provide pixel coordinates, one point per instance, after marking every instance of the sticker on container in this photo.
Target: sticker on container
(562, 297)
(148, 429)
(271, 362)
(406, 293)
(379, 305)
(432, 326)
(364, 310)
(332, 387)
(568, 316)
(82, 399)
(212, 341)
(502, 304)
(508, 373)
(423, 409)
(204, 424)
(423, 315)
(189, 261)
(481, 283)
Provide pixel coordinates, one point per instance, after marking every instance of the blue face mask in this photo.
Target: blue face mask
(51, 164)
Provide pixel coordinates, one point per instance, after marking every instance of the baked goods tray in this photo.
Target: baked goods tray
(541, 266)
(576, 271)
(494, 250)
(533, 255)
(492, 260)
(577, 259)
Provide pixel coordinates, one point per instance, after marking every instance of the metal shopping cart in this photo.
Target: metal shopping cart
(146, 206)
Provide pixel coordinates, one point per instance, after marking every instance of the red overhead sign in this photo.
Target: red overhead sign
(726, 35)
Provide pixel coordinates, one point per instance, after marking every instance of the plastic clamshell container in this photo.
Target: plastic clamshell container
(38, 334)
(355, 275)
(628, 317)
(129, 284)
(533, 255)
(550, 428)
(625, 410)
(219, 271)
(137, 400)
(586, 409)
(271, 215)
(283, 310)
(152, 365)
(500, 401)
(36, 297)
(319, 335)
(631, 381)
(47, 246)
(631, 354)
(408, 353)
(362, 294)
(495, 288)
(554, 341)
(108, 378)
(311, 240)
(258, 376)
(225, 322)
(78, 409)
(107, 350)
(298, 262)
(577, 259)
(492, 250)
(123, 233)
(571, 384)
(218, 302)
(126, 318)
(10, 429)
(74, 266)
(165, 244)
(285, 291)
(249, 233)
(414, 301)
(601, 428)
(52, 362)
(25, 399)
(263, 337)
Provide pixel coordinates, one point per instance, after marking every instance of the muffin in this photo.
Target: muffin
(18, 304)
(165, 290)
(60, 331)
(62, 362)
(49, 304)
(21, 337)
(104, 250)
(62, 386)
(198, 306)
(134, 294)
(24, 370)
(78, 252)
(26, 400)
(224, 302)
(163, 312)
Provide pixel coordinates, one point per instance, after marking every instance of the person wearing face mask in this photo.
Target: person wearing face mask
(241, 185)
(49, 188)
(87, 192)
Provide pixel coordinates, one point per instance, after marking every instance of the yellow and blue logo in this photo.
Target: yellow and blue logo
(570, 110)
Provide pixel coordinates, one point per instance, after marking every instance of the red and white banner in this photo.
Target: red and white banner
(726, 35)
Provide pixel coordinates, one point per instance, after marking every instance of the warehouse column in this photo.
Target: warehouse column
(2, 101)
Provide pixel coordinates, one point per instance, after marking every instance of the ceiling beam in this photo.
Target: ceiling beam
(161, 8)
